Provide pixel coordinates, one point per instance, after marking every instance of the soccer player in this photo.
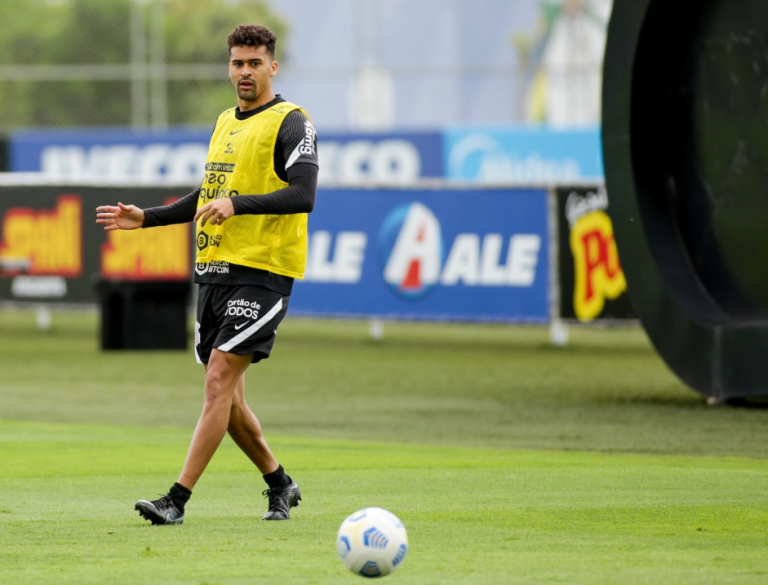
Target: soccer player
(251, 215)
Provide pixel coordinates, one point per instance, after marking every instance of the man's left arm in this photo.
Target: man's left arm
(296, 153)
(298, 197)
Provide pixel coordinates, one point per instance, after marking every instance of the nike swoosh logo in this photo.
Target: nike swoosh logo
(235, 132)
(239, 327)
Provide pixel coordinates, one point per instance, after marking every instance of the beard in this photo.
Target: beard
(247, 95)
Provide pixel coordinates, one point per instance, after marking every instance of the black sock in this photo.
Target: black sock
(278, 478)
(179, 494)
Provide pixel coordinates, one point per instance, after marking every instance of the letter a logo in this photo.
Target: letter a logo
(411, 249)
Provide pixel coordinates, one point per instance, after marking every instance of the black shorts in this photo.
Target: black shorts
(238, 319)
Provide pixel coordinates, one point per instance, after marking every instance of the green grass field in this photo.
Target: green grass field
(508, 460)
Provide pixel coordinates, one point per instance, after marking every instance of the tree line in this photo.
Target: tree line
(67, 63)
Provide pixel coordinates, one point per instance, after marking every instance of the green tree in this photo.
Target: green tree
(40, 43)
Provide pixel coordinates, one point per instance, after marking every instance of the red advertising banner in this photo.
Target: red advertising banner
(51, 249)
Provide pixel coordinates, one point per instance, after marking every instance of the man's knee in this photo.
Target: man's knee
(216, 380)
(225, 368)
(219, 385)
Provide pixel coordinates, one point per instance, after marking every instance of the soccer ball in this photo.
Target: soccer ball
(372, 542)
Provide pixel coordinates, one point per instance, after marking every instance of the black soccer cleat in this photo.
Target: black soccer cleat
(162, 511)
(281, 500)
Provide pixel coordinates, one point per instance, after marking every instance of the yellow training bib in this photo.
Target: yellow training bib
(240, 161)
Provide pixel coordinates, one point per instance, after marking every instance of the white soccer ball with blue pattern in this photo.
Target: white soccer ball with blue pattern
(372, 542)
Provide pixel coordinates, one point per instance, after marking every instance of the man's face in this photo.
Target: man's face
(251, 70)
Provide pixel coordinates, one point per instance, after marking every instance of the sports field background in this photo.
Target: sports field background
(509, 460)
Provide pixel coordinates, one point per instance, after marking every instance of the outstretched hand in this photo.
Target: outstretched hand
(122, 217)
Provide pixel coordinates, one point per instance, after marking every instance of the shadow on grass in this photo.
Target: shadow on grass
(750, 403)
(688, 402)
(694, 401)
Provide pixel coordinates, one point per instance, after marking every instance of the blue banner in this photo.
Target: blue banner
(402, 158)
(179, 155)
(523, 155)
(511, 156)
(116, 154)
(455, 254)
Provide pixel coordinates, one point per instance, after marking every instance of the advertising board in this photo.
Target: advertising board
(592, 283)
(179, 155)
(523, 155)
(448, 254)
(51, 249)
(432, 254)
(116, 154)
(383, 158)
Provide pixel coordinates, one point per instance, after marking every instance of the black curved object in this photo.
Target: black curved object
(685, 143)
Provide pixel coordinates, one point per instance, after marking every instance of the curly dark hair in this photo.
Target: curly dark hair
(252, 35)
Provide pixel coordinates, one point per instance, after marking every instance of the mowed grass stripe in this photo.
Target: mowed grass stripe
(473, 515)
(424, 383)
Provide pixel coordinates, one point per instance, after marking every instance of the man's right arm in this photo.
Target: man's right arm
(181, 211)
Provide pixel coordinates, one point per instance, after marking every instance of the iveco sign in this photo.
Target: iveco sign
(112, 154)
(179, 155)
(380, 158)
